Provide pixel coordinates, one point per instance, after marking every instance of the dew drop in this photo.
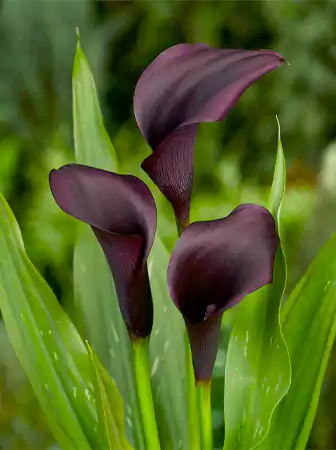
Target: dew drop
(129, 421)
(87, 394)
(55, 356)
(166, 345)
(74, 391)
(326, 285)
(115, 334)
(155, 366)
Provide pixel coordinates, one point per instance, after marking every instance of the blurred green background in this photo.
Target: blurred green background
(234, 159)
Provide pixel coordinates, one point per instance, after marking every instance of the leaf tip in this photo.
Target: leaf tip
(279, 129)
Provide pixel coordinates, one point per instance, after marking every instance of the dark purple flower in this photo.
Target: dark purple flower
(185, 85)
(215, 265)
(122, 214)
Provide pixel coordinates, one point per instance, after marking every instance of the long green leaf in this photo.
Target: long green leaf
(110, 407)
(167, 352)
(257, 367)
(309, 327)
(47, 344)
(95, 297)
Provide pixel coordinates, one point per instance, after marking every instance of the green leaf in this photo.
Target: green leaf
(309, 327)
(167, 353)
(110, 407)
(92, 141)
(46, 342)
(257, 367)
(96, 302)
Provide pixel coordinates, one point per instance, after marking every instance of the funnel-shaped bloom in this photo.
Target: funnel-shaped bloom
(185, 85)
(122, 214)
(215, 265)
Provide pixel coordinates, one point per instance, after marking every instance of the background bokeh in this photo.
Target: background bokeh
(234, 159)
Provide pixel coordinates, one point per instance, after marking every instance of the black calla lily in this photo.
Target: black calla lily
(214, 265)
(122, 214)
(185, 85)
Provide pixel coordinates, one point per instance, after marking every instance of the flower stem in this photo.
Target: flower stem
(204, 406)
(192, 408)
(144, 389)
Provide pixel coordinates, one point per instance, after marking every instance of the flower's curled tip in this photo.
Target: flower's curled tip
(185, 85)
(122, 214)
(214, 265)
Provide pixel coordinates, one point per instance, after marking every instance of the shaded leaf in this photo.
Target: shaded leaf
(46, 342)
(95, 297)
(167, 353)
(109, 405)
(258, 368)
(309, 327)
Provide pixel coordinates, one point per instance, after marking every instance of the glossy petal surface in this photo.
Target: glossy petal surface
(122, 214)
(215, 264)
(185, 85)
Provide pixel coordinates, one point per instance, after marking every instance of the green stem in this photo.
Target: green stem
(144, 389)
(192, 407)
(204, 407)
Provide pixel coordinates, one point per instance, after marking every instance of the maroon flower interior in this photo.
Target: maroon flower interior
(122, 214)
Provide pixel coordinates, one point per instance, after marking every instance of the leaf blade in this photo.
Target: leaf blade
(167, 355)
(258, 367)
(95, 297)
(46, 342)
(310, 311)
(110, 406)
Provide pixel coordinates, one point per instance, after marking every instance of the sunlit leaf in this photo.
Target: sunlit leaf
(47, 344)
(257, 368)
(110, 407)
(167, 353)
(95, 297)
(309, 327)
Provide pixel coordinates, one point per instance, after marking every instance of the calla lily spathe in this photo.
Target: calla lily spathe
(185, 85)
(122, 214)
(214, 265)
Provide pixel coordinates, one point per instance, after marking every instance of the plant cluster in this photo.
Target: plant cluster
(213, 267)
